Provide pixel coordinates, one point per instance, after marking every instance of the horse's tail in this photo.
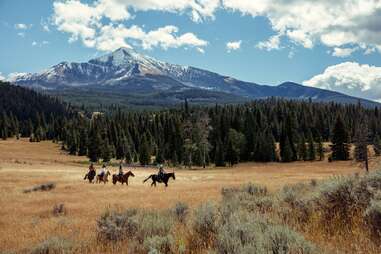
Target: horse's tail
(85, 177)
(147, 179)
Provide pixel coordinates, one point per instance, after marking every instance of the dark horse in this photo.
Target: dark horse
(164, 179)
(123, 179)
(90, 176)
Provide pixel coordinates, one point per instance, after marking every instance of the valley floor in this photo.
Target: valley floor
(27, 218)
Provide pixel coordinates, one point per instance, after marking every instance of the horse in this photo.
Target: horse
(164, 179)
(90, 176)
(103, 178)
(123, 179)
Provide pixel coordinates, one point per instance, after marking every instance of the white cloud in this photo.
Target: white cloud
(271, 44)
(21, 26)
(2, 78)
(350, 78)
(45, 26)
(201, 50)
(343, 52)
(40, 44)
(21, 34)
(233, 45)
(336, 23)
(83, 22)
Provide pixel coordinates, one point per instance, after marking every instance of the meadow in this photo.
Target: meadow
(73, 210)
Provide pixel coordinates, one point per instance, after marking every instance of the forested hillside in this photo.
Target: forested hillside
(221, 135)
(27, 112)
(224, 134)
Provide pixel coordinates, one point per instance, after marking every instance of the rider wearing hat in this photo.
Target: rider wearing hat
(161, 171)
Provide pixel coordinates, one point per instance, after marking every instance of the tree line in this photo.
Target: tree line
(262, 131)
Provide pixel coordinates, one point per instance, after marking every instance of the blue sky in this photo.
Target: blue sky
(329, 45)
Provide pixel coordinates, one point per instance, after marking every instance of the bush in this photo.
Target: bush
(373, 219)
(159, 244)
(246, 233)
(114, 226)
(181, 211)
(205, 223)
(147, 231)
(59, 209)
(53, 245)
(281, 239)
(41, 187)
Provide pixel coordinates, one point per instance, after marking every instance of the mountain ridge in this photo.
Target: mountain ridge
(126, 72)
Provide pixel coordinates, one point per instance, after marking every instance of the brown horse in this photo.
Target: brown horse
(123, 179)
(103, 178)
(90, 176)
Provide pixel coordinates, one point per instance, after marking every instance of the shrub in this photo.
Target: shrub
(53, 245)
(114, 226)
(41, 187)
(205, 223)
(152, 224)
(59, 209)
(373, 219)
(181, 211)
(240, 234)
(246, 233)
(281, 239)
(159, 244)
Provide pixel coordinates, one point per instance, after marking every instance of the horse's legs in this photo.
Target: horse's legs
(166, 184)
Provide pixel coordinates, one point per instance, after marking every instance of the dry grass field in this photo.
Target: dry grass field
(27, 218)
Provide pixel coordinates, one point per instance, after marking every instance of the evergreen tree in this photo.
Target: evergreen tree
(340, 148)
(232, 154)
(106, 151)
(361, 144)
(286, 151)
(302, 149)
(144, 155)
(320, 149)
(83, 142)
(219, 155)
(159, 156)
(311, 148)
(94, 148)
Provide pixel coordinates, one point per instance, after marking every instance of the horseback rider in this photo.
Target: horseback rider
(161, 171)
(91, 169)
(120, 170)
(103, 170)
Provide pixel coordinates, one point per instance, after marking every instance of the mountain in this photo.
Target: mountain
(127, 77)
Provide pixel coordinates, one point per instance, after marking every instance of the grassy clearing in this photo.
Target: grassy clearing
(283, 200)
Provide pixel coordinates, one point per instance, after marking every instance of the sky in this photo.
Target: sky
(328, 44)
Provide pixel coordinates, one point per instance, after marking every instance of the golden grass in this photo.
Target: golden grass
(27, 219)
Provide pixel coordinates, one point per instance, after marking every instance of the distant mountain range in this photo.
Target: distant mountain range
(127, 77)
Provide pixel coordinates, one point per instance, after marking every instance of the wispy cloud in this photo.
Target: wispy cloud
(233, 45)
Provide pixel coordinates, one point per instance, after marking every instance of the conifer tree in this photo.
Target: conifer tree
(219, 155)
(361, 144)
(302, 149)
(144, 155)
(311, 148)
(232, 154)
(83, 142)
(320, 149)
(340, 148)
(286, 151)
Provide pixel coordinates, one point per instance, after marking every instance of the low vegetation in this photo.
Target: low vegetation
(340, 214)
(41, 187)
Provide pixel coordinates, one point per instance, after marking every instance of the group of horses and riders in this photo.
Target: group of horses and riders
(102, 176)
